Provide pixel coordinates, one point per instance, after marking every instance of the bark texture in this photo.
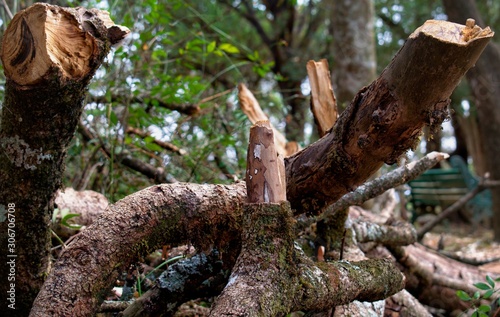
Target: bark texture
(434, 279)
(484, 80)
(353, 47)
(49, 54)
(87, 204)
(207, 215)
(385, 119)
(265, 175)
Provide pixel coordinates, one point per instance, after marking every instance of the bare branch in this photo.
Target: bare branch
(378, 186)
(158, 174)
(166, 145)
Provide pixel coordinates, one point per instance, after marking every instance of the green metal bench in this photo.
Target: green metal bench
(443, 187)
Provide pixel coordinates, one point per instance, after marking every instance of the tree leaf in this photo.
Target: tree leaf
(482, 286)
(488, 293)
(484, 308)
(463, 296)
(211, 47)
(490, 281)
(229, 48)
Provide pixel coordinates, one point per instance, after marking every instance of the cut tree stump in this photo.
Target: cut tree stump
(265, 176)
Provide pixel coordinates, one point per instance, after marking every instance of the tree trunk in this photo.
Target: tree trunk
(434, 279)
(352, 27)
(484, 80)
(384, 120)
(49, 55)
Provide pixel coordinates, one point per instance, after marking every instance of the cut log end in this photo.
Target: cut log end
(45, 37)
(265, 175)
(452, 32)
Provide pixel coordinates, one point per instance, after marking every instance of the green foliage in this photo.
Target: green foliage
(65, 217)
(489, 290)
(182, 53)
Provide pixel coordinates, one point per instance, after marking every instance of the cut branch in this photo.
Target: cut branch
(133, 227)
(265, 176)
(385, 119)
(382, 122)
(434, 279)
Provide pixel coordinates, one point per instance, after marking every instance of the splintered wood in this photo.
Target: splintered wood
(265, 175)
(252, 109)
(44, 37)
(323, 102)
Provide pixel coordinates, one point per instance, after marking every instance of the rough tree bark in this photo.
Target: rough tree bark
(353, 46)
(384, 120)
(49, 54)
(484, 80)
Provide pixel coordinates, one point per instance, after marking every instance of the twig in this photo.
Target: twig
(6, 7)
(378, 186)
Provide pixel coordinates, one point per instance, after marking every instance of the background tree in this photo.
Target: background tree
(484, 80)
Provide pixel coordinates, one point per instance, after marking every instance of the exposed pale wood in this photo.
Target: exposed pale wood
(44, 37)
(213, 215)
(265, 176)
(323, 102)
(254, 112)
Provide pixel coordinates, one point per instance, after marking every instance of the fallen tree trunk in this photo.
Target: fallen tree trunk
(434, 279)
